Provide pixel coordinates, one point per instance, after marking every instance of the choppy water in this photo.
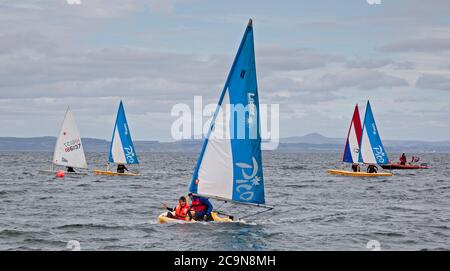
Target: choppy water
(314, 211)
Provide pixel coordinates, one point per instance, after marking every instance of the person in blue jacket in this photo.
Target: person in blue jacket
(202, 208)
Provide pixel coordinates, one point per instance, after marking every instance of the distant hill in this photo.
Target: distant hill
(309, 143)
(318, 142)
(313, 138)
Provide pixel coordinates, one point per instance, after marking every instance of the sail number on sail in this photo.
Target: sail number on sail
(72, 145)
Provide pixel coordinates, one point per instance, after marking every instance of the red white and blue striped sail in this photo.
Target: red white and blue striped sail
(371, 149)
(351, 151)
(230, 167)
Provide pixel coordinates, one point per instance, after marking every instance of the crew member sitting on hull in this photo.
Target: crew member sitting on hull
(202, 208)
(414, 160)
(403, 159)
(181, 211)
(70, 169)
(355, 167)
(121, 168)
(372, 169)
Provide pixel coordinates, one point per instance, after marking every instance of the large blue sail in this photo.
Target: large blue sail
(371, 150)
(230, 167)
(122, 149)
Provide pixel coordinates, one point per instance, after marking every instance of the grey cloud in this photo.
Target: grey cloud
(433, 81)
(95, 8)
(361, 79)
(379, 63)
(369, 63)
(417, 45)
(325, 88)
(288, 59)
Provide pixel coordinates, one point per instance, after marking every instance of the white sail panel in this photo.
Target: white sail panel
(69, 148)
(353, 144)
(215, 175)
(117, 152)
(367, 155)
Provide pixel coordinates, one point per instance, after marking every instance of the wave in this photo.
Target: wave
(90, 226)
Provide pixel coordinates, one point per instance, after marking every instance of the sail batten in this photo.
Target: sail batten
(122, 149)
(230, 166)
(371, 149)
(69, 150)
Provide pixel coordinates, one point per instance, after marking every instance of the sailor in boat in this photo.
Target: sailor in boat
(201, 208)
(414, 159)
(372, 169)
(403, 159)
(121, 168)
(70, 169)
(181, 211)
(356, 167)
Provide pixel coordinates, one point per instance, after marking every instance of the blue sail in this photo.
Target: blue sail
(122, 150)
(230, 167)
(371, 149)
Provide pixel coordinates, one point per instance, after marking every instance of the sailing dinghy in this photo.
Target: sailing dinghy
(122, 149)
(230, 167)
(363, 146)
(68, 148)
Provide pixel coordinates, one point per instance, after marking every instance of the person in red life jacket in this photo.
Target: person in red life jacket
(403, 159)
(202, 208)
(181, 211)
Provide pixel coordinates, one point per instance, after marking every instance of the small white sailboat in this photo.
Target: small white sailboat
(121, 151)
(230, 167)
(69, 151)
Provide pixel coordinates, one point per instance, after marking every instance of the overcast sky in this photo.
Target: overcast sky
(315, 58)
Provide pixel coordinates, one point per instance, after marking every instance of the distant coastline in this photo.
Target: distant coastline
(309, 143)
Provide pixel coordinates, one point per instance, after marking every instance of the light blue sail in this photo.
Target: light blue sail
(371, 149)
(231, 168)
(122, 150)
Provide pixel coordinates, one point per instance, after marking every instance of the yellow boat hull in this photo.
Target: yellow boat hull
(112, 173)
(358, 174)
(164, 219)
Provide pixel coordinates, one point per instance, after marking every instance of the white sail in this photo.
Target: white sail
(69, 149)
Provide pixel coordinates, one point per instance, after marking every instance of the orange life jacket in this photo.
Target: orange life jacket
(181, 211)
(197, 205)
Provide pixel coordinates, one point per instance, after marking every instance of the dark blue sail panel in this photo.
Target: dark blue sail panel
(232, 168)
